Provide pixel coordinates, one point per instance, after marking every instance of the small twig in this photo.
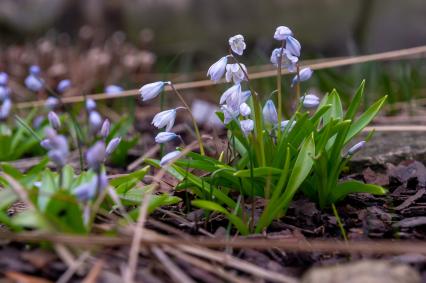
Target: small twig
(67, 275)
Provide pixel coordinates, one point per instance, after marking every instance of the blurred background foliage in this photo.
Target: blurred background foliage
(186, 36)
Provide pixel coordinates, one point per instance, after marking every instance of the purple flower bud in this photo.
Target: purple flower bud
(113, 89)
(5, 109)
(51, 103)
(3, 79)
(57, 157)
(169, 157)
(95, 156)
(310, 101)
(4, 92)
(270, 112)
(293, 46)
(217, 70)
(54, 120)
(112, 145)
(164, 137)
(106, 126)
(245, 109)
(34, 83)
(357, 147)
(85, 191)
(46, 144)
(63, 86)
(165, 119)
(152, 90)
(90, 105)
(95, 122)
(34, 70)
(304, 74)
(282, 32)
(247, 126)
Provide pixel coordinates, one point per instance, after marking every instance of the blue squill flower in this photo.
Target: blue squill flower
(270, 112)
(113, 89)
(165, 119)
(245, 109)
(236, 72)
(4, 78)
(112, 145)
(288, 61)
(247, 126)
(169, 157)
(63, 86)
(152, 90)
(293, 46)
(237, 44)
(95, 156)
(304, 74)
(310, 101)
(357, 147)
(282, 32)
(217, 70)
(54, 120)
(164, 137)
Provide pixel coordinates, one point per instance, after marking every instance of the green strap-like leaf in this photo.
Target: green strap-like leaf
(349, 187)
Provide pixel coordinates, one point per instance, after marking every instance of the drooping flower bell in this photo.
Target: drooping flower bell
(88, 191)
(90, 105)
(4, 78)
(95, 156)
(169, 157)
(293, 46)
(95, 122)
(288, 61)
(310, 101)
(51, 103)
(270, 112)
(164, 137)
(152, 90)
(165, 119)
(4, 92)
(5, 108)
(237, 44)
(236, 72)
(57, 147)
(235, 89)
(304, 75)
(63, 86)
(229, 114)
(245, 109)
(247, 126)
(113, 89)
(218, 69)
(282, 32)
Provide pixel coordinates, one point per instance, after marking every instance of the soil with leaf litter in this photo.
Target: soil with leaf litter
(398, 215)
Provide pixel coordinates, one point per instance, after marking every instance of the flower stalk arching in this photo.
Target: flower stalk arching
(279, 85)
(196, 129)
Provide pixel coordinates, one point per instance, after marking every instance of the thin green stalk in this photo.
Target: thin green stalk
(279, 89)
(339, 222)
(27, 127)
(298, 83)
(197, 131)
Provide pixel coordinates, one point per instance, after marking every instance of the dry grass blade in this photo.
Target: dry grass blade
(316, 65)
(398, 128)
(94, 273)
(239, 264)
(73, 268)
(174, 271)
(199, 263)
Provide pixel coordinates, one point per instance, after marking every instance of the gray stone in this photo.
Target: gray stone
(366, 271)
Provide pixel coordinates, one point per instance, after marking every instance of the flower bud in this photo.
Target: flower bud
(169, 157)
(282, 32)
(90, 105)
(152, 90)
(113, 89)
(357, 147)
(51, 103)
(245, 109)
(217, 70)
(95, 122)
(293, 46)
(112, 145)
(304, 75)
(165, 119)
(5, 109)
(310, 101)
(4, 78)
(270, 112)
(237, 44)
(34, 83)
(95, 156)
(164, 137)
(54, 120)
(63, 86)
(247, 126)
(106, 126)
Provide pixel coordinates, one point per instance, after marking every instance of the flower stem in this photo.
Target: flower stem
(298, 82)
(197, 131)
(279, 90)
